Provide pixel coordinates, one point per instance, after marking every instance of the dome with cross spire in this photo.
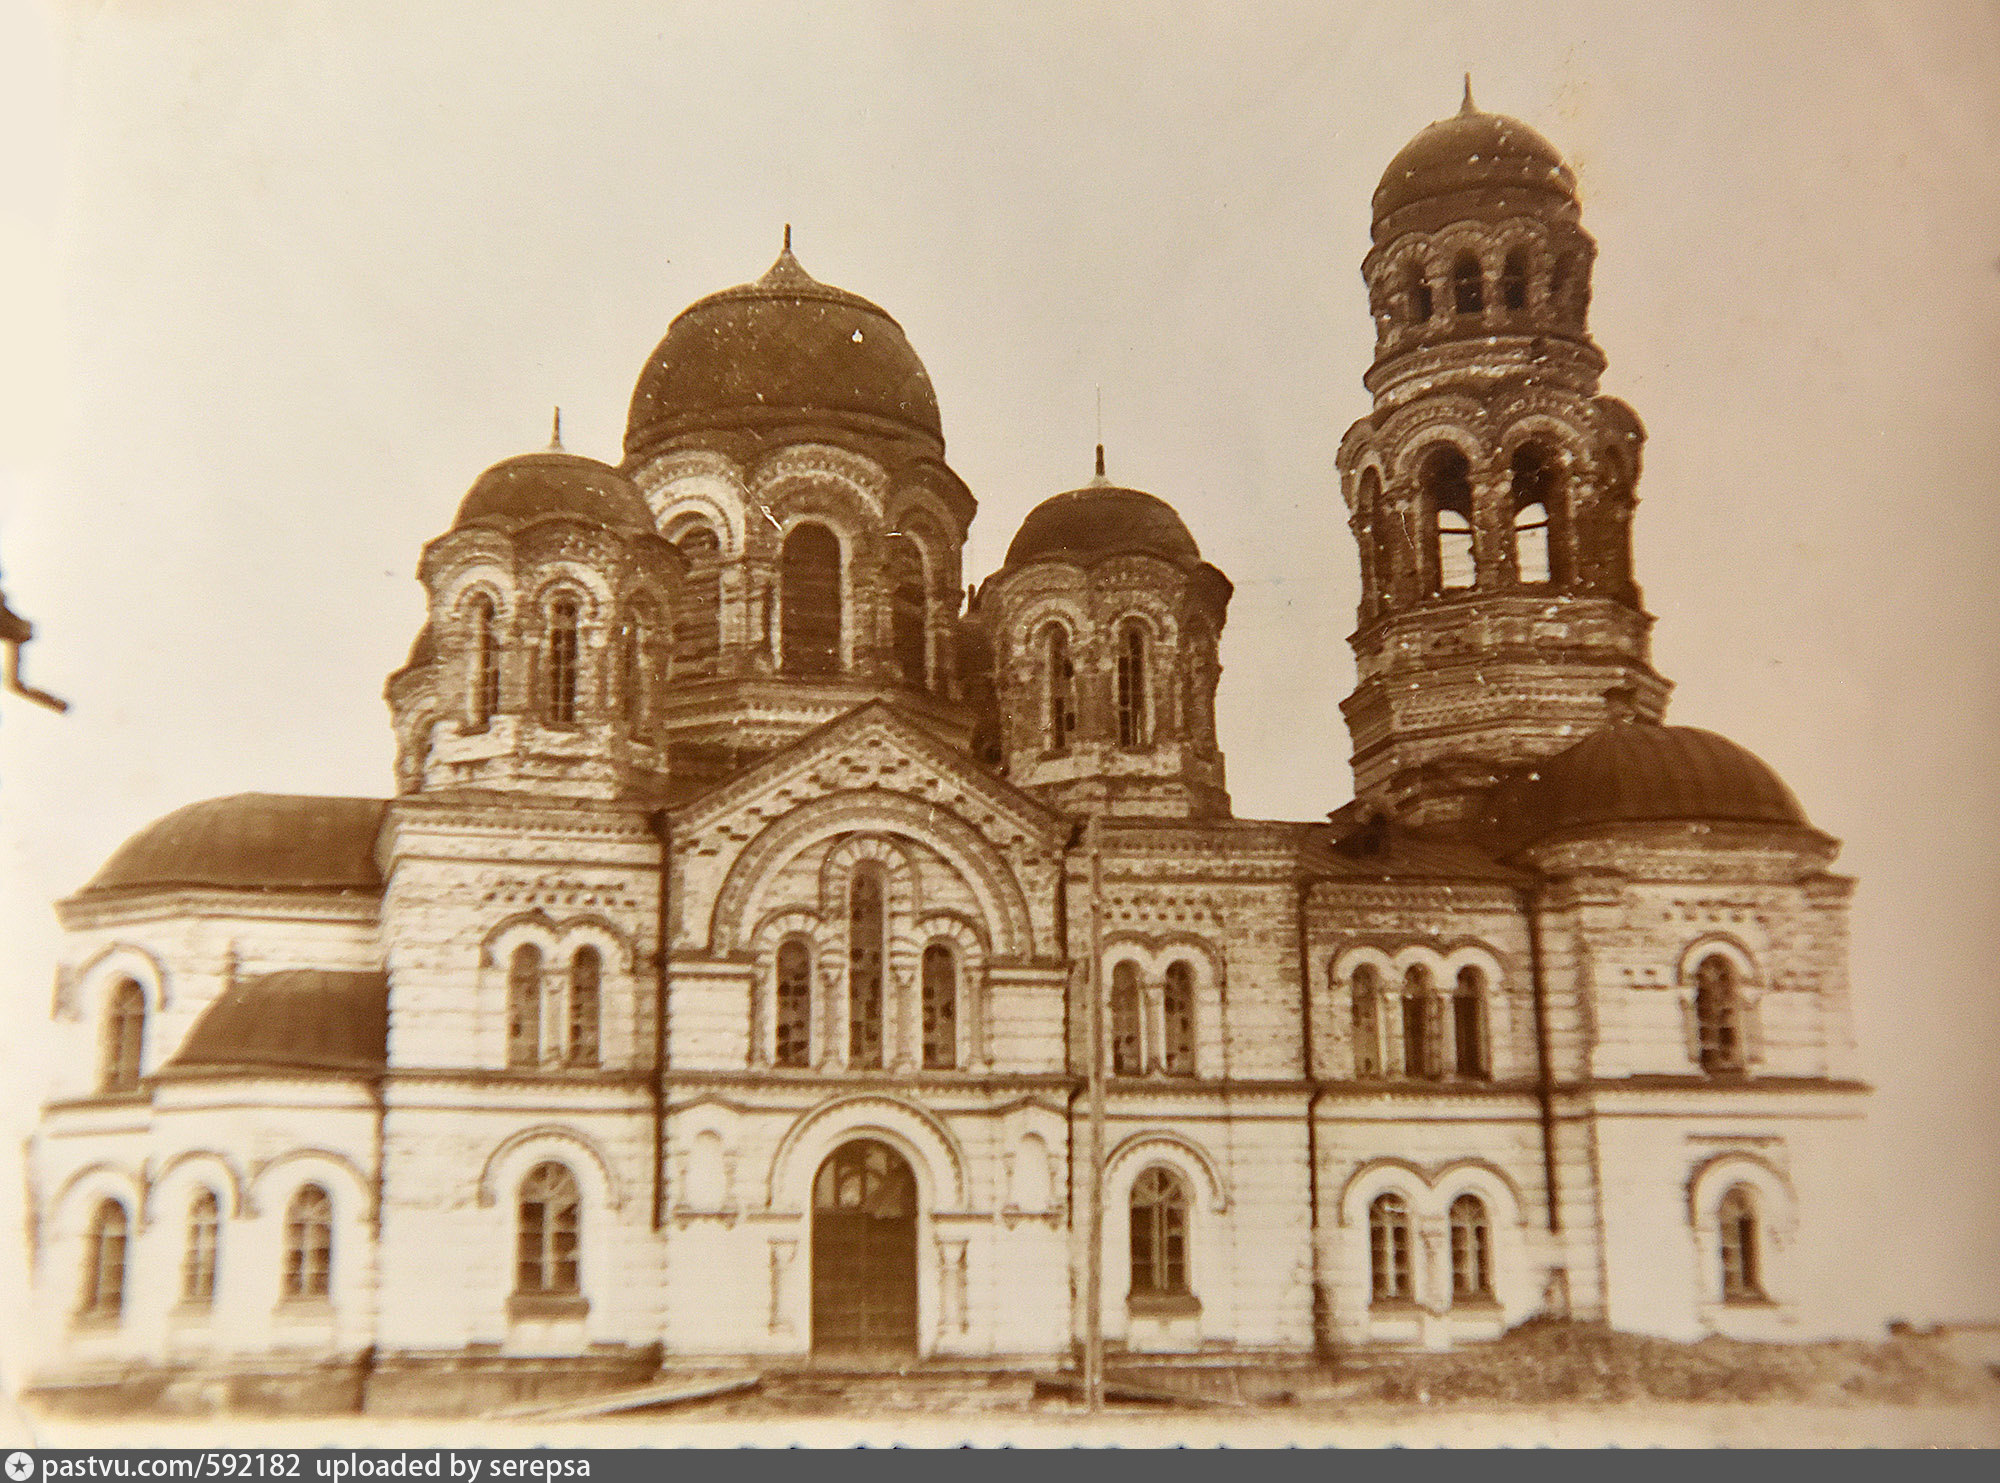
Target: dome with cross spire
(783, 351)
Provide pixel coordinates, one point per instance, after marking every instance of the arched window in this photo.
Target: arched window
(794, 1027)
(1062, 687)
(1468, 1023)
(1132, 685)
(908, 611)
(867, 920)
(1514, 280)
(204, 1230)
(1423, 1040)
(698, 604)
(641, 624)
(586, 977)
(1535, 489)
(1420, 294)
(1736, 1229)
(1467, 296)
(485, 698)
(809, 584)
(104, 1263)
(1367, 990)
(1558, 280)
(1159, 1235)
(1718, 1014)
(1177, 1019)
(1447, 482)
(940, 1007)
(1127, 1049)
(545, 1253)
(524, 1006)
(309, 1244)
(1471, 1251)
(564, 616)
(124, 1037)
(1389, 1250)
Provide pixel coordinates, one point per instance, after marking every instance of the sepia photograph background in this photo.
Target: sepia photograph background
(277, 282)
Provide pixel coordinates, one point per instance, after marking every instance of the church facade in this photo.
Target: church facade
(724, 980)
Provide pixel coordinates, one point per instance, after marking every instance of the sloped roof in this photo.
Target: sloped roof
(300, 1019)
(252, 842)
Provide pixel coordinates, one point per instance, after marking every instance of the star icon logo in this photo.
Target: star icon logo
(20, 1467)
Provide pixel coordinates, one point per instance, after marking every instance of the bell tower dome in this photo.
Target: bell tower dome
(1491, 489)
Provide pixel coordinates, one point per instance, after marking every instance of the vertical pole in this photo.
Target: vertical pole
(1093, 1316)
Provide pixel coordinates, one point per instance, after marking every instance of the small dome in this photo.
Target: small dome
(1102, 520)
(1472, 151)
(1633, 772)
(252, 842)
(536, 486)
(303, 1019)
(780, 350)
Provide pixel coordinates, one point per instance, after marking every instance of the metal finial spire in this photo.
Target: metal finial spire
(1468, 106)
(788, 236)
(555, 433)
(1100, 461)
(1099, 478)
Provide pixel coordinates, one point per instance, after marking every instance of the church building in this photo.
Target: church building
(777, 952)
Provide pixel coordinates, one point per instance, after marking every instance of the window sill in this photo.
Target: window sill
(97, 1319)
(192, 1310)
(1752, 1301)
(1483, 1306)
(316, 1309)
(1395, 1307)
(1162, 1304)
(547, 1306)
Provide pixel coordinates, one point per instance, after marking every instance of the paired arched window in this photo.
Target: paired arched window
(1718, 1015)
(809, 594)
(1468, 1023)
(1447, 484)
(1177, 1019)
(940, 1007)
(1742, 1257)
(546, 1027)
(564, 650)
(1419, 287)
(1514, 280)
(1389, 1250)
(549, 1230)
(586, 979)
(1558, 280)
(1466, 291)
(794, 1017)
(124, 1038)
(198, 1262)
(867, 946)
(1132, 727)
(524, 1006)
(1367, 1014)
(1060, 670)
(309, 1244)
(1127, 1043)
(698, 606)
(484, 701)
(104, 1255)
(1159, 1213)
(1471, 1251)
(908, 611)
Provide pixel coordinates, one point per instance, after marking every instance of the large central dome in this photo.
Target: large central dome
(784, 350)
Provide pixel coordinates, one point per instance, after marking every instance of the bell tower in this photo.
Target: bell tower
(1491, 489)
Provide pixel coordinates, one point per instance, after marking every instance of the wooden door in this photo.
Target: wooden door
(864, 1255)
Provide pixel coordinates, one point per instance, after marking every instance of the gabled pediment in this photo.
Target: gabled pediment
(873, 746)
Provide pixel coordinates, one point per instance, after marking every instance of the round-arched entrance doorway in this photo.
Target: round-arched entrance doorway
(864, 1255)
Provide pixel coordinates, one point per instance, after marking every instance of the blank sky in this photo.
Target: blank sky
(283, 278)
